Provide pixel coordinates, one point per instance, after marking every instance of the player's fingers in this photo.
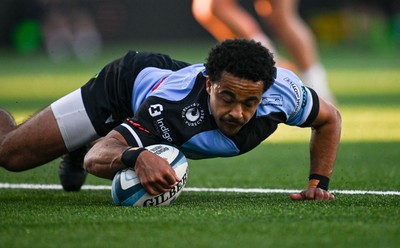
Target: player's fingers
(168, 184)
(150, 189)
(313, 194)
(169, 179)
(299, 196)
(296, 197)
(172, 178)
(319, 194)
(156, 189)
(309, 194)
(327, 195)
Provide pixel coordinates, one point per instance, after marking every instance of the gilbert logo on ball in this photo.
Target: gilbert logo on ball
(127, 190)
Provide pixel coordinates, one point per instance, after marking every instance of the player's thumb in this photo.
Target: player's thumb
(296, 197)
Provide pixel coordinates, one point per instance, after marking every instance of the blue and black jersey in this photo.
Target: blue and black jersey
(151, 98)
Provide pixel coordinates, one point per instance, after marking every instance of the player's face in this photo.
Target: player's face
(233, 101)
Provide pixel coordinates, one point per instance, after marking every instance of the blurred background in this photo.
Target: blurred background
(83, 29)
(49, 48)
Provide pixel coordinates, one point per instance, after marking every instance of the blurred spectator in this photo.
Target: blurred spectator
(375, 24)
(227, 19)
(20, 25)
(69, 29)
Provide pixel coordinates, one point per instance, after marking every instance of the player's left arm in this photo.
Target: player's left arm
(324, 143)
(106, 157)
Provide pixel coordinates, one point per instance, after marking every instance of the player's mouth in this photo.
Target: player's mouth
(232, 123)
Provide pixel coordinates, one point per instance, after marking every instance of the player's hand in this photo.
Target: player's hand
(155, 174)
(312, 194)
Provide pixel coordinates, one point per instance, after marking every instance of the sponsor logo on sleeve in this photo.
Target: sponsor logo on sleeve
(273, 100)
(155, 110)
(163, 129)
(297, 93)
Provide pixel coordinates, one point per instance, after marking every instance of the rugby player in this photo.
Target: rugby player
(223, 108)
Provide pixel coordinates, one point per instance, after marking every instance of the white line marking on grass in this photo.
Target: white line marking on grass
(192, 189)
(290, 191)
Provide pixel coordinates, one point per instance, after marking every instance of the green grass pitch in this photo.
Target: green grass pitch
(367, 86)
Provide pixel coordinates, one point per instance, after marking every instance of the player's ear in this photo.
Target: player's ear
(208, 85)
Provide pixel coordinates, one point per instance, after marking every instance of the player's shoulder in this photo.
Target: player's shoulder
(288, 96)
(286, 78)
(287, 84)
(179, 84)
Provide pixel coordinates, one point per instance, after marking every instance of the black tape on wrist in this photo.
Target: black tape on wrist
(318, 181)
(129, 156)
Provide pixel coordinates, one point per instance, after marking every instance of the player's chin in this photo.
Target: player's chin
(230, 130)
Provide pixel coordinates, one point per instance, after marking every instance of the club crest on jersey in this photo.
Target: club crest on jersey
(193, 115)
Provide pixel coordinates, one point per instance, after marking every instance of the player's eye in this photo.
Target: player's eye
(228, 100)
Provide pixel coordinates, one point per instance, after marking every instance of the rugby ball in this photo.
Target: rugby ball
(126, 189)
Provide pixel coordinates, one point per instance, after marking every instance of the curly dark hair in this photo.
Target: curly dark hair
(242, 58)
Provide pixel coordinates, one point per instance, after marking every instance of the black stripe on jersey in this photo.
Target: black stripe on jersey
(130, 139)
(144, 136)
(314, 111)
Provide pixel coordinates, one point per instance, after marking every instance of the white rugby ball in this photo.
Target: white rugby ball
(127, 190)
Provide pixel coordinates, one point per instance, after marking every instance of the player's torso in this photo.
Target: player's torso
(176, 110)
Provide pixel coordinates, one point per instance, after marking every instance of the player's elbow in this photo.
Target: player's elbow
(337, 118)
(11, 164)
(89, 163)
(334, 123)
(12, 159)
(96, 166)
(329, 122)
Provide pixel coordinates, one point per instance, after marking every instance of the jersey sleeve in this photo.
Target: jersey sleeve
(297, 104)
(136, 135)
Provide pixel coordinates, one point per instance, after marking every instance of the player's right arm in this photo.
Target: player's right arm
(104, 159)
